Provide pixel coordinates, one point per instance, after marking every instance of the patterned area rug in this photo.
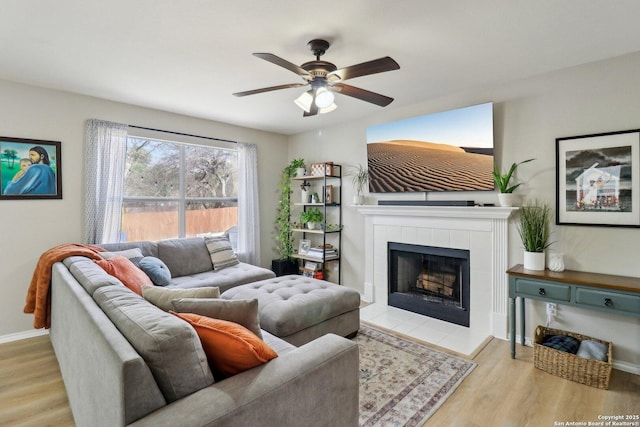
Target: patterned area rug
(402, 383)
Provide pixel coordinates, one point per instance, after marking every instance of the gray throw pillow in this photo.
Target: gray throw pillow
(162, 297)
(243, 312)
(221, 252)
(170, 347)
(157, 270)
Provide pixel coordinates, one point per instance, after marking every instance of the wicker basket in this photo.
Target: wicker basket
(594, 373)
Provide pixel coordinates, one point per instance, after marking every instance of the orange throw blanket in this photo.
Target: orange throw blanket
(38, 296)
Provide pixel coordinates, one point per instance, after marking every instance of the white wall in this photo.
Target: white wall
(528, 116)
(28, 228)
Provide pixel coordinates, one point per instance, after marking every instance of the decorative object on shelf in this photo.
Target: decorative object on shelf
(284, 238)
(298, 166)
(506, 197)
(596, 179)
(305, 245)
(315, 198)
(359, 178)
(320, 169)
(31, 169)
(556, 262)
(311, 217)
(533, 229)
(304, 192)
(328, 194)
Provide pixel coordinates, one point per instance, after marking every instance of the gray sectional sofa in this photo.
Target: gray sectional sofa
(190, 264)
(126, 362)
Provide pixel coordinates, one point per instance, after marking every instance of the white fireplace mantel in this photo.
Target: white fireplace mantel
(481, 230)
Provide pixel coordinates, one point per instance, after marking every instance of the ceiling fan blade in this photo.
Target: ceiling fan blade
(364, 95)
(379, 65)
(283, 63)
(269, 89)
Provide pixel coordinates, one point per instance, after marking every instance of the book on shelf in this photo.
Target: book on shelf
(319, 253)
(312, 269)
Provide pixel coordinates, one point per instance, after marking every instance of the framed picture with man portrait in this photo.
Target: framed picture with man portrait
(30, 169)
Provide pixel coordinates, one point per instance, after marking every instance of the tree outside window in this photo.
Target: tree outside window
(178, 190)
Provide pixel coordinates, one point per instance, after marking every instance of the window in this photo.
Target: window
(174, 189)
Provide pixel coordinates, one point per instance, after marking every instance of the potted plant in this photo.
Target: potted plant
(311, 217)
(299, 167)
(503, 182)
(284, 238)
(359, 178)
(534, 232)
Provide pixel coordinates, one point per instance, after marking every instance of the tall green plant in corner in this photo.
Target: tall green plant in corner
(284, 237)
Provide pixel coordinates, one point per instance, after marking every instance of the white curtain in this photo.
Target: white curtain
(248, 204)
(105, 155)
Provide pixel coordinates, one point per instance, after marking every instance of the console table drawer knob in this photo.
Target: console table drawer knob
(541, 291)
(608, 302)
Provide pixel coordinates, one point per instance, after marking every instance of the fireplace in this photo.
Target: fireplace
(483, 231)
(428, 280)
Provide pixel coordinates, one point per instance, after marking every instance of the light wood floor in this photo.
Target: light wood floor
(500, 392)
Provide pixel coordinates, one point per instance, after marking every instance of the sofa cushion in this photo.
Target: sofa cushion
(243, 312)
(147, 248)
(157, 270)
(224, 279)
(162, 297)
(127, 253)
(230, 348)
(89, 274)
(169, 346)
(221, 252)
(185, 256)
(124, 270)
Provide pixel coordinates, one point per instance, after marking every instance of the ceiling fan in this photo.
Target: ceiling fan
(326, 79)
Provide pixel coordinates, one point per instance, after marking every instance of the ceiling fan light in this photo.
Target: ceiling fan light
(328, 109)
(304, 101)
(324, 98)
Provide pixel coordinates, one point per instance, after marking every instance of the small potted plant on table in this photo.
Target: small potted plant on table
(534, 232)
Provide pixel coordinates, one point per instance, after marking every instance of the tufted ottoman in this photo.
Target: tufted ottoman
(300, 309)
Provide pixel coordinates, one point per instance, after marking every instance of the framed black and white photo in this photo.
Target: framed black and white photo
(598, 179)
(30, 169)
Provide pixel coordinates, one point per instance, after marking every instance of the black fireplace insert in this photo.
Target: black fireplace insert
(429, 280)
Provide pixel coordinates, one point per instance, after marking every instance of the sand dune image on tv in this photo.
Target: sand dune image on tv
(416, 166)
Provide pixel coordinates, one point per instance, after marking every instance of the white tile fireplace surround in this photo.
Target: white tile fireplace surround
(483, 231)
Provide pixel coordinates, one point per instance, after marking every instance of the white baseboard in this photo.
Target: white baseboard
(23, 335)
(631, 368)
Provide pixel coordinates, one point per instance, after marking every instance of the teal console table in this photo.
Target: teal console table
(603, 292)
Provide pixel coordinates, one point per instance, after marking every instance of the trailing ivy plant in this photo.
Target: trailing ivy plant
(284, 237)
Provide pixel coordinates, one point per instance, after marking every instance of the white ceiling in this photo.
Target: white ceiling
(189, 56)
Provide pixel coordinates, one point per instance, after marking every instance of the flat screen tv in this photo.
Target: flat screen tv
(446, 151)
